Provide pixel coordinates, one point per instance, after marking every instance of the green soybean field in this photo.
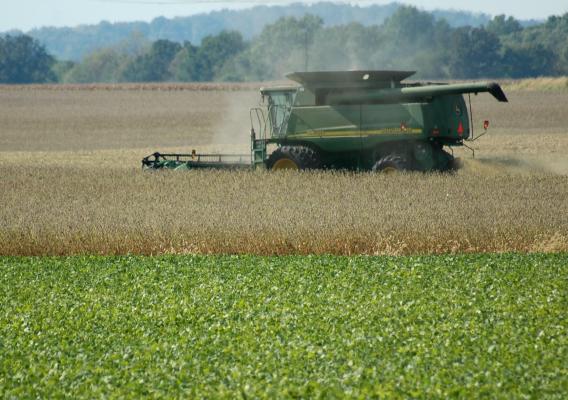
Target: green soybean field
(462, 326)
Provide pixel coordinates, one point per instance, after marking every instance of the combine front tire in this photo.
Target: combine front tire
(293, 157)
(391, 163)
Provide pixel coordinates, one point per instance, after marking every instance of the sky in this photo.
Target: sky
(27, 14)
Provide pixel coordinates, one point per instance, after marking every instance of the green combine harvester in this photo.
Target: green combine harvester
(355, 120)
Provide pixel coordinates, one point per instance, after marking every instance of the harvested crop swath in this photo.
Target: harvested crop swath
(221, 327)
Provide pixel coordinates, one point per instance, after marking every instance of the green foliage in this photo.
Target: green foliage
(408, 39)
(103, 65)
(552, 36)
(186, 66)
(344, 47)
(473, 53)
(501, 25)
(530, 60)
(280, 48)
(206, 62)
(107, 64)
(75, 43)
(408, 25)
(285, 46)
(133, 46)
(413, 39)
(479, 326)
(153, 66)
(24, 60)
(61, 69)
(215, 51)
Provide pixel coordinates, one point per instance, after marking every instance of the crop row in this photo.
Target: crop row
(221, 327)
(79, 210)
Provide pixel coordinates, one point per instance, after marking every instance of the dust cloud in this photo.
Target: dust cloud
(230, 130)
(526, 165)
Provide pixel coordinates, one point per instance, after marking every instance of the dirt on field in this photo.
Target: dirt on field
(72, 181)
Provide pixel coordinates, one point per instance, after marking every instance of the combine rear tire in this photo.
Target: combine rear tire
(447, 162)
(391, 163)
(293, 157)
(455, 164)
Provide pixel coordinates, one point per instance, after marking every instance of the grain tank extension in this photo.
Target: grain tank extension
(357, 120)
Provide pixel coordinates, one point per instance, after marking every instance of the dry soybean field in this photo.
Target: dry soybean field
(70, 159)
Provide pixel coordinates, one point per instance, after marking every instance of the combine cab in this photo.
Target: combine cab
(357, 120)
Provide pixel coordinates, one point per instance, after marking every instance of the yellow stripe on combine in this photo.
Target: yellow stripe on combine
(341, 134)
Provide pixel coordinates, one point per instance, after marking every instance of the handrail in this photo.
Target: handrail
(261, 119)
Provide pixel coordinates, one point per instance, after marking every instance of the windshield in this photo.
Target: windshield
(279, 105)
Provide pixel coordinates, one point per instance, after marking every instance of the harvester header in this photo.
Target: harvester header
(358, 120)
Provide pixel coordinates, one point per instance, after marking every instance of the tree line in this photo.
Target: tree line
(409, 39)
(74, 43)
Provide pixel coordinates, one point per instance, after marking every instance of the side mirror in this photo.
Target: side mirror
(485, 124)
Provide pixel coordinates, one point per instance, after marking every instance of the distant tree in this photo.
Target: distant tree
(61, 69)
(528, 61)
(285, 46)
(409, 26)
(414, 39)
(473, 53)
(215, 51)
(552, 35)
(24, 60)
(136, 44)
(349, 46)
(186, 65)
(103, 65)
(154, 66)
(501, 25)
(562, 63)
(75, 43)
(238, 69)
(205, 63)
(408, 39)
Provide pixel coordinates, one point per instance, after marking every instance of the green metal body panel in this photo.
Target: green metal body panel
(362, 128)
(329, 128)
(350, 115)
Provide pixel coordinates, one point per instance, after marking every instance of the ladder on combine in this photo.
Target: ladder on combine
(279, 115)
(257, 140)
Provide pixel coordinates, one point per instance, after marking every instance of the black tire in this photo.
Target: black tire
(293, 157)
(447, 162)
(455, 164)
(423, 156)
(391, 163)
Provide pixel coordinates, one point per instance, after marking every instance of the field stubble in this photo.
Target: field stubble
(70, 168)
